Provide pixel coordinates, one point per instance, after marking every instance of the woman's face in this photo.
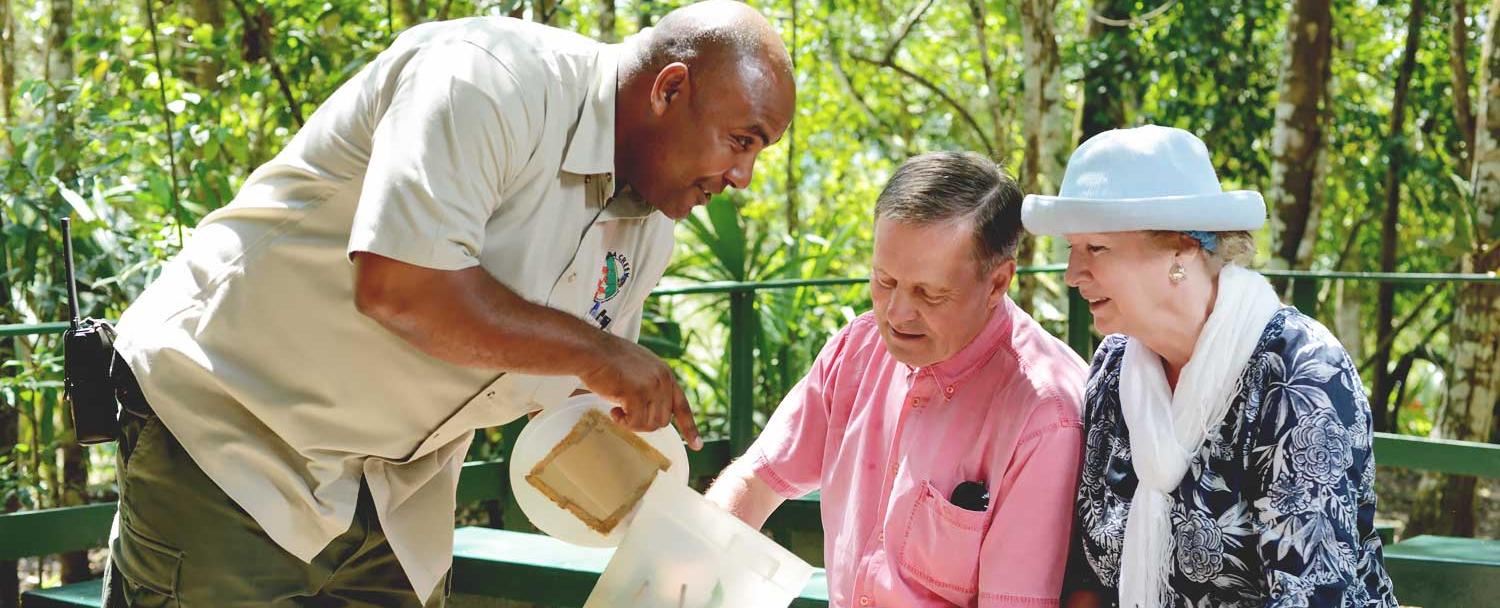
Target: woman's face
(1123, 275)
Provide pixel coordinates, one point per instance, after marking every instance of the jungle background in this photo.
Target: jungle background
(1364, 122)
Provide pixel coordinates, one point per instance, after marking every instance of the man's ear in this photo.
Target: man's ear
(999, 279)
(671, 83)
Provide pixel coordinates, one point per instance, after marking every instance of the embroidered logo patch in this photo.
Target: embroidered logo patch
(613, 276)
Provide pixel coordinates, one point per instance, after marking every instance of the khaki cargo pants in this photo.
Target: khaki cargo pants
(181, 541)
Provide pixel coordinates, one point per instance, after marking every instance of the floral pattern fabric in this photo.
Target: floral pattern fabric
(1278, 505)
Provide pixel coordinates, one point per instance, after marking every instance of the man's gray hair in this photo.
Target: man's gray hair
(942, 186)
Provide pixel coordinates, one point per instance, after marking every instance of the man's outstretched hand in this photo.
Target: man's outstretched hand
(643, 388)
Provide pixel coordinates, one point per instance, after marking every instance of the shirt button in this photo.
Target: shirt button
(572, 276)
(882, 537)
(864, 600)
(950, 389)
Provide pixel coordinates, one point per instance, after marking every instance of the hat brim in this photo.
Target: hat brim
(1224, 211)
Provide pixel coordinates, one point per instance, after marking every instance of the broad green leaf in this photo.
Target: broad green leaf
(79, 205)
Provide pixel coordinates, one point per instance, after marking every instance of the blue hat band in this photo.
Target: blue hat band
(1208, 240)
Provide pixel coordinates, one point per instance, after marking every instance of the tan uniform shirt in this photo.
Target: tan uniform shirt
(480, 142)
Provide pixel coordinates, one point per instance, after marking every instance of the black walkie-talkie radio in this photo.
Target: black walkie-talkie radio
(88, 357)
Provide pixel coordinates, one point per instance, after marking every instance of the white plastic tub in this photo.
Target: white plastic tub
(682, 551)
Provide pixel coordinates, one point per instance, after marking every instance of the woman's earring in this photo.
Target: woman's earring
(1177, 274)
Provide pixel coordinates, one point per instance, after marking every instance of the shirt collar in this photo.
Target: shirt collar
(952, 371)
(626, 204)
(591, 148)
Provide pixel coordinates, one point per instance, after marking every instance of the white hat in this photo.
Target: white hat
(1146, 178)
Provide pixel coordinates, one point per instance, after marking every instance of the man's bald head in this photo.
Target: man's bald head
(699, 97)
(718, 36)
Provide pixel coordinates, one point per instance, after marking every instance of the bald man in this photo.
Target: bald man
(463, 233)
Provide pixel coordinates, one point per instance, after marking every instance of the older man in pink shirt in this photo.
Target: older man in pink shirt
(943, 428)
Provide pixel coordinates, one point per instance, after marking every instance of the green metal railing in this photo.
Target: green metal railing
(1304, 289)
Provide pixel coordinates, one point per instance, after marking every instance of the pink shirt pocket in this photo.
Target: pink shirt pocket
(940, 550)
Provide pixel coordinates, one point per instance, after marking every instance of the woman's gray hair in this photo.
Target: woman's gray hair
(943, 186)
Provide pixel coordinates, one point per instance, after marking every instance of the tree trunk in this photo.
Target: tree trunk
(1395, 153)
(544, 11)
(259, 45)
(1347, 318)
(607, 21)
(1448, 506)
(645, 14)
(204, 73)
(61, 73)
(793, 209)
(7, 70)
(74, 492)
(1042, 117)
(10, 581)
(1111, 55)
(10, 425)
(1458, 60)
(1297, 142)
(407, 14)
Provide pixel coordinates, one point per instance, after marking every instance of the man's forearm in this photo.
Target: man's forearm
(469, 318)
(743, 495)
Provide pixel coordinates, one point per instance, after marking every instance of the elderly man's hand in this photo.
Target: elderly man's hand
(643, 387)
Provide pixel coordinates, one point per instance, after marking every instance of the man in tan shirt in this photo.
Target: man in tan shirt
(463, 233)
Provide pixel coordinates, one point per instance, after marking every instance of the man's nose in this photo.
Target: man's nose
(740, 173)
(899, 308)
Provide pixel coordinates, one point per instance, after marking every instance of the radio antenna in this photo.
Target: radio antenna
(67, 231)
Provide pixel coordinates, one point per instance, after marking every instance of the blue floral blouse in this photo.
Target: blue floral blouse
(1278, 506)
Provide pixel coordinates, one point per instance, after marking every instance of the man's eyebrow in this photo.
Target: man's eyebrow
(759, 131)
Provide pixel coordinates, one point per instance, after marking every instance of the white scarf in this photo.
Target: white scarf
(1167, 428)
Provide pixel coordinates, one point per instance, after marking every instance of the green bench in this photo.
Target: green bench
(487, 562)
(1445, 571)
(1428, 570)
(1440, 570)
(49, 531)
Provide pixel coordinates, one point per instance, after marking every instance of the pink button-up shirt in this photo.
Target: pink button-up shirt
(887, 444)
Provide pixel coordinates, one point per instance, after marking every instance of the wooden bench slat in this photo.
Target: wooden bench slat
(1475, 551)
(87, 594)
(1437, 455)
(1445, 571)
(48, 531)
(492, 563)
(528, 567)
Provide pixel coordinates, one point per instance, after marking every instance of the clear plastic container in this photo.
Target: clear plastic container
(682, 551)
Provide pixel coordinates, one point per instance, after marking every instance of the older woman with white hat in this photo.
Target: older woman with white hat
(1227, 457)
